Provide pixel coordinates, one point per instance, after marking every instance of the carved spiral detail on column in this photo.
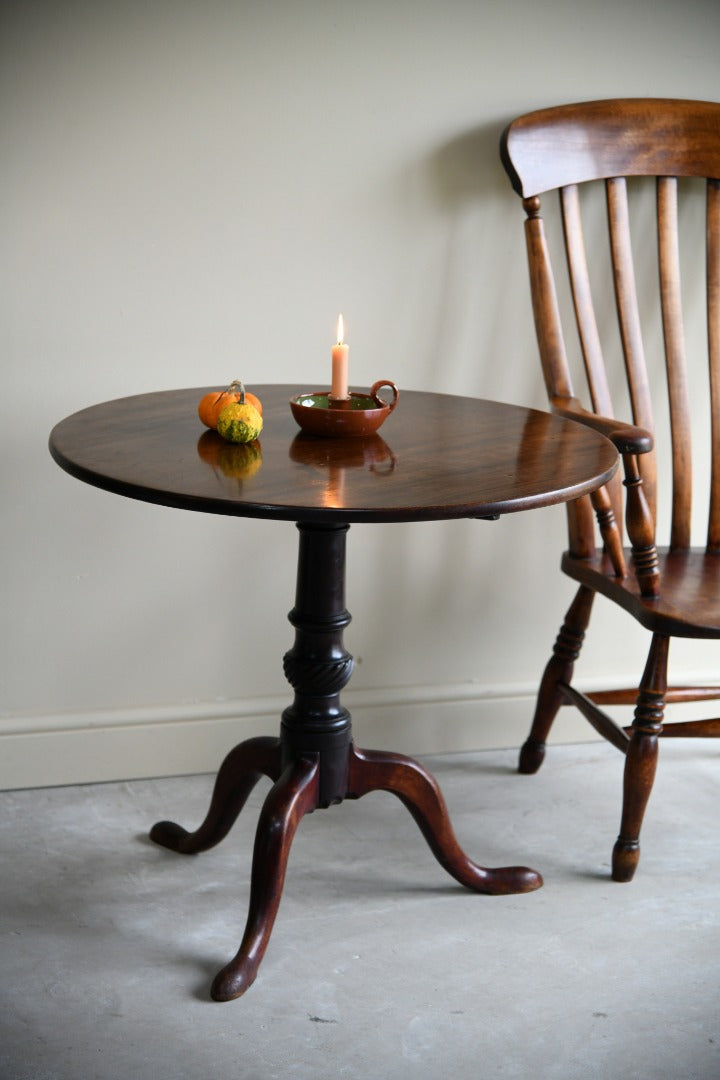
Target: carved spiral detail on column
(321, 677)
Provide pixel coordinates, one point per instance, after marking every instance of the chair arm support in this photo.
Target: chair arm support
(627, 438)
(641, 529)
(630, 441)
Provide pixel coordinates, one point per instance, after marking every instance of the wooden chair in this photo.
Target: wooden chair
(672, 591)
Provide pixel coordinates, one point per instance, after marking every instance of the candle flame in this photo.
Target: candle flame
(340, 330)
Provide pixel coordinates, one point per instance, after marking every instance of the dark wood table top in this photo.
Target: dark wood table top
(437, 456)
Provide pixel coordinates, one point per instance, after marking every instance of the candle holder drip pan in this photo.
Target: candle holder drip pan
(318, 413)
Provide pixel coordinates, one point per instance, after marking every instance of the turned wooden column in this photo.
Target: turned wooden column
(318, 666)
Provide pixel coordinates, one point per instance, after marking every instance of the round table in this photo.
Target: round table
(438, 456)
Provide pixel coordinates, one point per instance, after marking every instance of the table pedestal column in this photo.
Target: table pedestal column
(318, 666)
(315, 764)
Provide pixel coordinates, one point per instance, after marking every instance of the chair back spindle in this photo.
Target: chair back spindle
(674, 338)
(630, 326)
(713, 304)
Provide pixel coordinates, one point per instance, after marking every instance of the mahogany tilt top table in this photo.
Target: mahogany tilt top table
(438, 456)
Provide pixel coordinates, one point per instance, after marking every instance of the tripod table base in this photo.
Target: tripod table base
(296, 792)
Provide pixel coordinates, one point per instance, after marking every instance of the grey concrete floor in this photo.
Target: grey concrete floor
(379, 965)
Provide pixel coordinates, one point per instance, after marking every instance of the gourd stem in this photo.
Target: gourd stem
(236, 384)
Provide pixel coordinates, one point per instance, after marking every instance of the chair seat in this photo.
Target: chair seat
(688, 604)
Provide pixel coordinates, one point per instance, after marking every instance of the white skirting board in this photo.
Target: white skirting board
(175, 740)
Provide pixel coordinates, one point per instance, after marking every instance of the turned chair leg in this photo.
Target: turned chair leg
(559, 670)
(641, 759)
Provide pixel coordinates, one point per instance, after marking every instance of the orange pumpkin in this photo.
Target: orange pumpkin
(212, 404)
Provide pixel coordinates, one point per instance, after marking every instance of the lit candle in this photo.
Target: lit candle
(339, 391)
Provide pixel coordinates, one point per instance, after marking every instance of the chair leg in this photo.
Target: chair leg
(559, 670)
(641, 760)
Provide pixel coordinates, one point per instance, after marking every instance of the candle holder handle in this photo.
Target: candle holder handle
(374, 393)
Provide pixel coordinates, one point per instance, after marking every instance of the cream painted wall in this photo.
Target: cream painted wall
(190, 193)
